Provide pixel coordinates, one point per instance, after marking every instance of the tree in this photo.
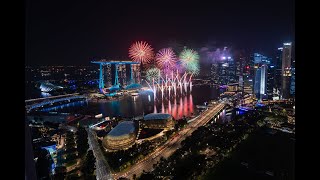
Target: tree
(82, 141)
(43, 164)
(146, 176)
(89, 164)
(60, 173)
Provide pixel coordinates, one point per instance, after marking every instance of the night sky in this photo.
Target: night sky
(67, 33)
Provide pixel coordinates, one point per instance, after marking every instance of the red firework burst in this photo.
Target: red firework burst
(141, 52)
(166, 59)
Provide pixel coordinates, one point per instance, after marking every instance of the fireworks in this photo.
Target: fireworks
(141, 52)
(190, 61)
(166, 59)
(153, 73)
(194, 69)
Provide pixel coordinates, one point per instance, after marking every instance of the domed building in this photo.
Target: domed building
(47, 86)
(120, 137)
(158, 121)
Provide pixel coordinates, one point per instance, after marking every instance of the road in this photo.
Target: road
(171, 145)
(103, 171)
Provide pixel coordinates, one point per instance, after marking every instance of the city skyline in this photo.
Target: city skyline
(170, 90)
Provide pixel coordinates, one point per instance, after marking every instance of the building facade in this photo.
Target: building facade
(286, 70)
(270, 81)
(158, 121)
(278, 70)
(261, 76)
(293, 79)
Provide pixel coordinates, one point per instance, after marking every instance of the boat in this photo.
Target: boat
(98, 116)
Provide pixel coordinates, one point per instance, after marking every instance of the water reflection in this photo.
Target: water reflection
(66, 107)
(183, 108)
(133, 106)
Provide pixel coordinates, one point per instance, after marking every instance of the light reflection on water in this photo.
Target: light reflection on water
(185, 107)
(144, 104)
(63, 107)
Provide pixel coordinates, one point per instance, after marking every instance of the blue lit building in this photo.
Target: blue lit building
(260, 82)
(293, 79)
(260, 59)
(52, 150)
(114, 75)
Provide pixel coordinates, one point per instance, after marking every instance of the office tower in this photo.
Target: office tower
(231, 71)
(270, 81)
(248, 73)
(286, 70)
(293, 79)
(223, 73)
(278, 70)
(260, 81)
(260, 75)
(260, 59)
(215, 72)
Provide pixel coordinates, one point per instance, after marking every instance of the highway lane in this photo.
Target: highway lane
(171, 145)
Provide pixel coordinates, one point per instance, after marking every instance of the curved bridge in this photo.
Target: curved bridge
(49, 101)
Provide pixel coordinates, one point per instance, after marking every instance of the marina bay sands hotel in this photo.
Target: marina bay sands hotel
(115, 75)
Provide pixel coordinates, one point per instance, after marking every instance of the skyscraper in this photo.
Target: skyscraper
(286, 70)
(232, 78)
(260, 75)
(260, 59)
(260, 81)
(215, 72)
(223, 71)
(278, 70)
(293, 79)
(270, 81)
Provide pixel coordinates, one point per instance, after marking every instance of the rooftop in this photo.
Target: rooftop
(123, 128)
(154, 116)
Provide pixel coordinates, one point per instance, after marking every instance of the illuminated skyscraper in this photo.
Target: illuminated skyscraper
(260, 75)
(278, 70)
(293, 79)
(260, 59)
(215, 72)
(270, 81)
(286, 70)
(260, 81)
